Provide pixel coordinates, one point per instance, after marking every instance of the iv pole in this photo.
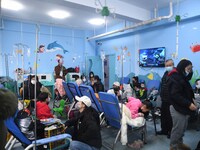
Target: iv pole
(35, 96)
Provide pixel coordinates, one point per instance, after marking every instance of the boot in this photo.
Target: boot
(141, 143)
(135, 145)
(183, 146)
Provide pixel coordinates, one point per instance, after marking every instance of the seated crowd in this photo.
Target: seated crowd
(133, 98)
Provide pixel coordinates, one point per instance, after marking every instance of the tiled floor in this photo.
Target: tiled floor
(191, 138)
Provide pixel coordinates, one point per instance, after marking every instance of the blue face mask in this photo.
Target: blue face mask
(170, 68)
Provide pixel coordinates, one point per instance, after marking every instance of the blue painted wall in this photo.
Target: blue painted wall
(72, 40)
(156, 35)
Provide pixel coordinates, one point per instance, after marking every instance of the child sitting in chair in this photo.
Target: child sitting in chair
(43, 111)
(133, 115)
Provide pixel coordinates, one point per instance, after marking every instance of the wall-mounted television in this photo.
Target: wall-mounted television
(152, 57)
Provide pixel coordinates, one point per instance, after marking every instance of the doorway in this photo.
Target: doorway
(106, 73)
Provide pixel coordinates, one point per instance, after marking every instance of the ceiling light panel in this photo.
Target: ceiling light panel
(59, 14)
(96, 21)
(11, 5)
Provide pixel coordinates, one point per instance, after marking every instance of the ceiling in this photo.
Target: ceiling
(82, 10)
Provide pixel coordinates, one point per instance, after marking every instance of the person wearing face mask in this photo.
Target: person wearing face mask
(84, 80)
(116, 90)
(141, 91)
(29, 89)
(181, 98)
(43, 111)
(86, 126)
(98, 85)
(60, 70)
(166, 119)
(134, 84)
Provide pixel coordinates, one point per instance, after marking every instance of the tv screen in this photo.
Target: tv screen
(152, 57)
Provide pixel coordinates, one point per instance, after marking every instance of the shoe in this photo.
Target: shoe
(135, 145)
(168, 135)
(141, 143)
(183, 146)
(173, 148)
(161, 133)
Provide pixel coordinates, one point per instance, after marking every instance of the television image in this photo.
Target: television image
(152, 57)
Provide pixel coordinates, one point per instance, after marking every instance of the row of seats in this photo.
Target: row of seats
(107, 105)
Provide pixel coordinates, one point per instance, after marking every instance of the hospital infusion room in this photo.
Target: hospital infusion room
(99, 75)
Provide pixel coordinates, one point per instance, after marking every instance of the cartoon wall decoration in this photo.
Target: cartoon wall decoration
(121, 54)
(41, 49)
(195, 48)
(52, 47)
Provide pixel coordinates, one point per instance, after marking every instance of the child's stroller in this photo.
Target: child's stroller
(156, 111)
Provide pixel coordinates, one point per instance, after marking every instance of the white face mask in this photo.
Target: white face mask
(142, 86)
(78, 105)
(48, 100)
(170, 68)
(84, 79)
(198, 86)
(186, 73)
(33, 81)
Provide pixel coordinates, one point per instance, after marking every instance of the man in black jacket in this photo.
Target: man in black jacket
(182, 104)
(86, 135)
(166, 119)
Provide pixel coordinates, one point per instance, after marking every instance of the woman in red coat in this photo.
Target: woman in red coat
(43, 111)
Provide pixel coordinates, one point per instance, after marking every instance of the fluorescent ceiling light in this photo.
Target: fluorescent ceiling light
(59, 14)
(194, 28)
(96, 21)
(12, 5)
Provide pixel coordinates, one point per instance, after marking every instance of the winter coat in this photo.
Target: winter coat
(164, 93)
(98, 87)
(180, 92)
(43, 111)
(86, 127)
(134, 105)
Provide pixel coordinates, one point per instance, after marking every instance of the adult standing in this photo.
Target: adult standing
(166, 119)
(60, 70)
(182, 104)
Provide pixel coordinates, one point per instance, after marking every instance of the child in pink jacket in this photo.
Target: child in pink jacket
(132, 117)
(135, 104)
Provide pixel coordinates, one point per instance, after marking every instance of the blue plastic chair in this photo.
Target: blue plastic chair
(68, 93)
(89, 92)
(73, 88)
(17, 134)
(111, 109)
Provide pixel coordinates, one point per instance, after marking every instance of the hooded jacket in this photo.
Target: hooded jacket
(180, 91)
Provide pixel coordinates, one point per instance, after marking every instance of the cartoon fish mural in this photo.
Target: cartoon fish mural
(195, 48)
(52, 47)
